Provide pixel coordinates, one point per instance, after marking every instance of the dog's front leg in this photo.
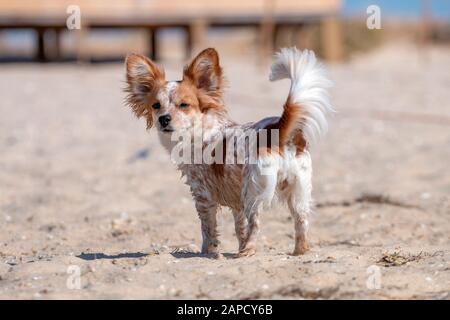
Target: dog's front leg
(207, 212)
(240, 227)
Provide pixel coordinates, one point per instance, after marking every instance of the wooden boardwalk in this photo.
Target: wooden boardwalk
(194, 16)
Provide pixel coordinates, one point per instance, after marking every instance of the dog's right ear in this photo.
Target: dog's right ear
(206, 74)
(144, 78)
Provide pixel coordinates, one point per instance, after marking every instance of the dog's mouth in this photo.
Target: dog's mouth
(168, 130)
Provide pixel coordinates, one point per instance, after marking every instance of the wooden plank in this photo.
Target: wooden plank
(108, 9)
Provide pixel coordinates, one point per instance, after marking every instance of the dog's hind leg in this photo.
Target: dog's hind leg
(299, 202)
(251, 205)
(249, 246)
(258, 189)
(300, 215)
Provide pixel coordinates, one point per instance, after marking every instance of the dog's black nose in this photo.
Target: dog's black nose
(164, 120)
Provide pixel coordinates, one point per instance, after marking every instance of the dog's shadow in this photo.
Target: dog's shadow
(135, 255)
(188, 255)
(99, 256)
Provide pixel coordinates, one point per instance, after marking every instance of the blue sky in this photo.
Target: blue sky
(397, 8)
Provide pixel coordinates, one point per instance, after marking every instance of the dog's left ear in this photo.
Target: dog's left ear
(144, 78)
(206, 74)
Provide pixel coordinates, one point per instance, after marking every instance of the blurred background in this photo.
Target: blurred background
(82, 183)
(37, 30)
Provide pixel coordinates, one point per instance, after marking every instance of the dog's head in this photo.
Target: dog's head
(174, 105)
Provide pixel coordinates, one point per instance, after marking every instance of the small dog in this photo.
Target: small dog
(282, 169)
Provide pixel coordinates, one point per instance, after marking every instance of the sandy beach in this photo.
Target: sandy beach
(84, 188)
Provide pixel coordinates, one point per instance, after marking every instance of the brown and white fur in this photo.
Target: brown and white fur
(197, 101)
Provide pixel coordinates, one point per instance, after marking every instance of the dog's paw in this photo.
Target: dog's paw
(212, 253)
(300, 250)
(246, 252)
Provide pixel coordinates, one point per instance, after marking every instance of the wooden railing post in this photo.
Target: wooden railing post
(153, 50)
(331, 39)
(198, 34)
(267, 31)
(40, 45)
(81, 43)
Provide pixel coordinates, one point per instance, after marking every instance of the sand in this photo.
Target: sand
(85, 189)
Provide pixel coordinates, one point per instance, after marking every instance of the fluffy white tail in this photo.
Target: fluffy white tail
(308, 103)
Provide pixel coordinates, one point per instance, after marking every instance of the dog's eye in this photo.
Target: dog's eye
(143, 89)
(184, 105)
(156, 105)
